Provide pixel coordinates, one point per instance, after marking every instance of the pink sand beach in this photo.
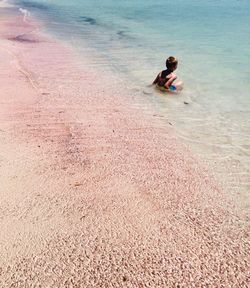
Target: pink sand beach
(96, 190)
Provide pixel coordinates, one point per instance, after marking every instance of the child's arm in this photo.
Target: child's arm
(156, 79)
(170, 80)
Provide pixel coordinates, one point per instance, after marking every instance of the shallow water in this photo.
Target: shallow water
(210, 38)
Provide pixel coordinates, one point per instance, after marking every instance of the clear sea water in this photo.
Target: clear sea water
(212, 41)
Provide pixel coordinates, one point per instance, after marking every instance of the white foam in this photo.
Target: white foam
(25, 13)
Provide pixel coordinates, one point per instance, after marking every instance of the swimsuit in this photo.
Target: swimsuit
(163, 78)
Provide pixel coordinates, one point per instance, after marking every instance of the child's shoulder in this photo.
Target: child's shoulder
(165, 73)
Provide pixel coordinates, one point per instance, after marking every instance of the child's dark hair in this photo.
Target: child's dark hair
(171, 62)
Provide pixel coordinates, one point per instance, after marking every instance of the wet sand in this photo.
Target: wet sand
(96, 189)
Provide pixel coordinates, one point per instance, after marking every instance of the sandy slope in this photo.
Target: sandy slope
(96, 191)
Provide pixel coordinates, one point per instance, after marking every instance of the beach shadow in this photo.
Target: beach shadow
(88, 20)
(23, 39)
(121, 34)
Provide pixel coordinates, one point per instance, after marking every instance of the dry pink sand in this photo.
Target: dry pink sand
(96, 190)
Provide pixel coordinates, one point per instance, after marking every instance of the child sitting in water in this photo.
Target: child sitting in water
(166, 77)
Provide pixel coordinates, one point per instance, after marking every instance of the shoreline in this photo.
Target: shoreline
(217, 145)
(96, 186)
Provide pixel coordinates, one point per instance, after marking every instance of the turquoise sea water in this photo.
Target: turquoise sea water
(211, 40)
